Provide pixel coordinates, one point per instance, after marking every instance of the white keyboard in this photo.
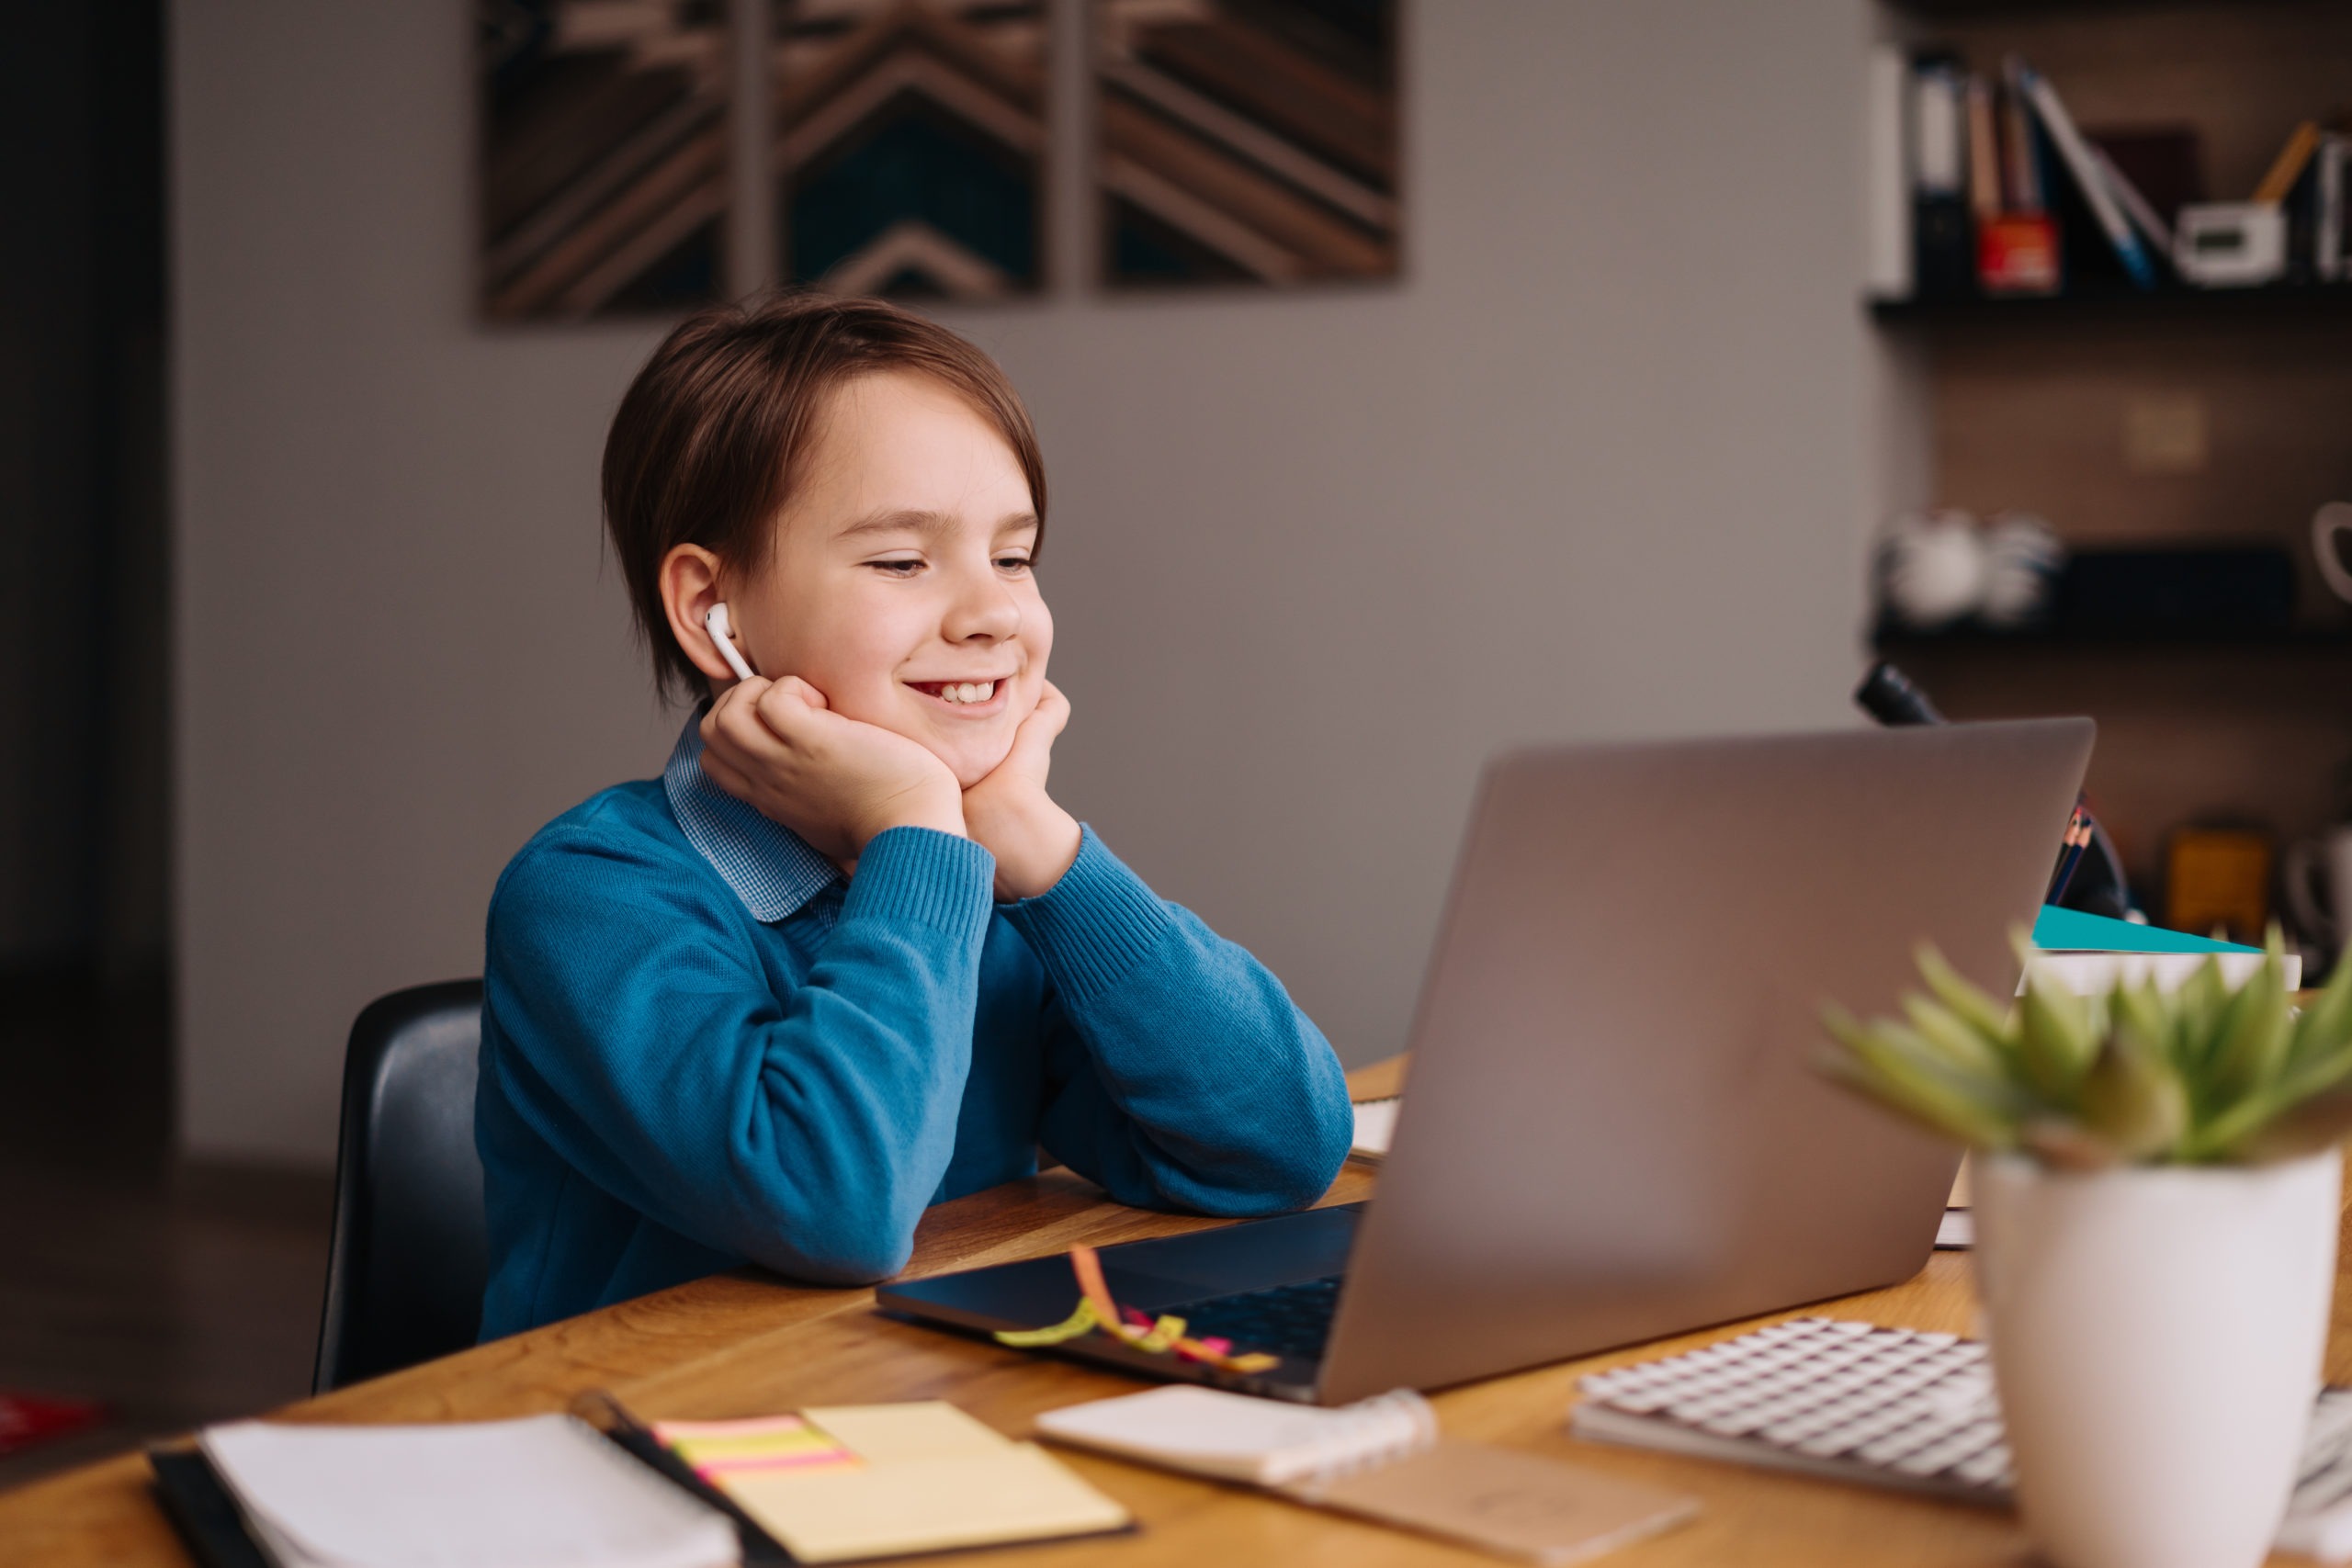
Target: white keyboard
(1889, 1407)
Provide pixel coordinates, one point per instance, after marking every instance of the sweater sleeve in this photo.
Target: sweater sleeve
(1180, 1073)
(642, 1039)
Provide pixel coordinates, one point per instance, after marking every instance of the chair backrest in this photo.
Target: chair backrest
(410, 1254)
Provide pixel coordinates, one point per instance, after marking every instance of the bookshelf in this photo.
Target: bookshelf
(2026, 403)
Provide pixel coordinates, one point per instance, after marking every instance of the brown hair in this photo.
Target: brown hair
(711, 437)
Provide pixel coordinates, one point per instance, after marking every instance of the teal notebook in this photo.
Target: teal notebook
(2070, 931)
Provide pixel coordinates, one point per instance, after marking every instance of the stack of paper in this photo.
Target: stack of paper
(1376, 1123)
(544, 1491)
(2091, 953)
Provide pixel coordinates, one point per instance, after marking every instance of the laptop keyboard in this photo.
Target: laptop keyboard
(1291, 1320)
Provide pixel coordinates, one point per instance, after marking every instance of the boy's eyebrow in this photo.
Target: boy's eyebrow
(902, 520)
(906, 520)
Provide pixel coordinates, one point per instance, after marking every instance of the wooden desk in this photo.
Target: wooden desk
(745, 1343)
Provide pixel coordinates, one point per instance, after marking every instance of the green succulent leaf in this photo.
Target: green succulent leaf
(2258, 1026)
(2316, 1124)
(1934, 1107)
(2230, 1130)
(2132, 1099)
(2325, 1027)
(1954, 1039)
(1898, 1068)
(1984, 1014)
(2316, 1075)
(2055, 1041)
(2198, 1010)
(2139, 1007)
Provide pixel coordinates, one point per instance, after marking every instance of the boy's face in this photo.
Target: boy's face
(900, 584)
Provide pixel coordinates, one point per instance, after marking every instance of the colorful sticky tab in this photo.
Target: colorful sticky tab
(718, 1448)
(1097, 1310)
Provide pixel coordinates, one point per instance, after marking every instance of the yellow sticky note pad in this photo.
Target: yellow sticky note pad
(923, 1429)
(975, 1495)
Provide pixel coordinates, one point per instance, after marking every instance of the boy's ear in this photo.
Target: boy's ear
(689, 584)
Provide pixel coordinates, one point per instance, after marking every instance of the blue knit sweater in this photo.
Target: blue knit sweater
(672, 1085)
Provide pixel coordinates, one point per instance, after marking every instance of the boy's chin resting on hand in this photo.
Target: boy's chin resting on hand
(1009, 814)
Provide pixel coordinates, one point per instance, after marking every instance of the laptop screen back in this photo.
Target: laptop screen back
(1613, 1128)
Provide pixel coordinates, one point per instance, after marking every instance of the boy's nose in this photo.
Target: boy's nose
(984, 608)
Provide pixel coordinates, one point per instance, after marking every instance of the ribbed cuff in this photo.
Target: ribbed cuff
(1094, 925)
(935, 879)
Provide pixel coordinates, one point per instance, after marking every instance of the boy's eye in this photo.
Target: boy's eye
(895, 567)
(1013, 563)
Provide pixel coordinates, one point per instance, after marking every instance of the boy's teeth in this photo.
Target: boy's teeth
(968, 692)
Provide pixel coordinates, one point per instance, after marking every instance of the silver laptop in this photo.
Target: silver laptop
(1613, 1127)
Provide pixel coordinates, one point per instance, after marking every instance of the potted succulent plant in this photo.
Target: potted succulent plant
(2157, 1205)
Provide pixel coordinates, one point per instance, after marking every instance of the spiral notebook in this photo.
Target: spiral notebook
(537, 1492)
(1380, 1459)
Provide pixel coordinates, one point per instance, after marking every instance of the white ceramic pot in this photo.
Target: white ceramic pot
(2156, 1335)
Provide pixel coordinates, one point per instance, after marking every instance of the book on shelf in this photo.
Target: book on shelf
(1943, 242)
(1986, 199)
(2090, 179)
(2017, 244)
(2136, 207)
(2020, 158)
(1887, 189)
(2313, 207)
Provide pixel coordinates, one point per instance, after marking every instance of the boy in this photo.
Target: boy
(847, 958)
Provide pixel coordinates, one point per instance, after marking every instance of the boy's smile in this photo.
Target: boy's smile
(900, 582)
(969, 698)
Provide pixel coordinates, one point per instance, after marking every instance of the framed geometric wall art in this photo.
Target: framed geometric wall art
(602, 178)
(911, 145)
(1246, 141)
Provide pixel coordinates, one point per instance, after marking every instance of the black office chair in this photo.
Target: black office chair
(410, 1254)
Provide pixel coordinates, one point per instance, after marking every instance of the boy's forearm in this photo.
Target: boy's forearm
(1200, 1082)
(1034, 844)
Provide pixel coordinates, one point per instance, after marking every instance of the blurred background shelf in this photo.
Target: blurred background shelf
(2286, 303)
(1942, 11)
(1895, 641)
(2173, 419)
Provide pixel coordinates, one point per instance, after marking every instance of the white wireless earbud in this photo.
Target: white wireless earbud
(714, 623)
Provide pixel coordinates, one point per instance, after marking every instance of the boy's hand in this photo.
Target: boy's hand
(835, 782)
(1010, 813)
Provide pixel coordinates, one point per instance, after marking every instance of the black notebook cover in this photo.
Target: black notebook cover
(202, 1510)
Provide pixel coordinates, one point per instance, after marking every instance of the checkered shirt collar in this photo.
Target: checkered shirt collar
(770, 867)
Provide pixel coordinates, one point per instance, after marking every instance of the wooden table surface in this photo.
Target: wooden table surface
(747, 1343)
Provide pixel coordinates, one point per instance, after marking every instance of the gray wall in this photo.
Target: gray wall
(1600, 467)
